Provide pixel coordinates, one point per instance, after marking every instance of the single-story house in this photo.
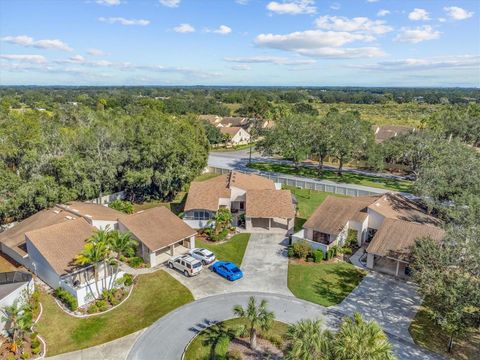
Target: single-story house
(160, 233)
(13, 287)
(254, 200)
(385, 132)
(386, 225)
(52, 251)
(237, 135)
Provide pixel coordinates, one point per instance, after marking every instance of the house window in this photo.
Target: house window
(201, 215)
(242, 205)
(320, 237)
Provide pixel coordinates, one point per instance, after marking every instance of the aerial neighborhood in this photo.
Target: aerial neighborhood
(239, 180)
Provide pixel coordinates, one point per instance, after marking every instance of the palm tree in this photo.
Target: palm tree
(258, 318)
(121, 244)
(94, 252)
(308, 341)
(358, 339)
(18, 319)
(213, 335)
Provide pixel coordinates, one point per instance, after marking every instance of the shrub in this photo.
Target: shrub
(126, 280)
(35, 343)
(11, 357)
(36, 350)
(92, 309)
(135, 262)
(68, 299)
(25, 355)
(102, 305)
(121, 205)
(290, 251)
(301, 249)
(346, 250)
(33, 336)
(275, 340)
(334, 250)
(318, 255)
(114, 301)
(234, 355)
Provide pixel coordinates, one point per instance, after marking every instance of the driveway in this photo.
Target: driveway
(390, 302)
(168, 337)
(264, 266)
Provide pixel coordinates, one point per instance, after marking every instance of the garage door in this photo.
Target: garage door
(260, 223)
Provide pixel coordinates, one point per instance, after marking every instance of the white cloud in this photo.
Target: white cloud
(95, 52)
(451, 62)
(441, 19)
(108, 2)
(277, 60)
(457, 13)
(319, 43)
(419, 14)
(418, 34)
(292, 7)
(242, 2)
(360, 24)
(373, 1)
(240, 67)
(24, 40)
(222, 30)
(170, 3)
(35, 59)
(335, 6)
(383, 12)
(184, 28)
(123, 21)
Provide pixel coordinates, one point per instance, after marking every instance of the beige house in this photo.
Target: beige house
(385, 225)
(237, 135)
(253, 200)
(160, 233)
(385, 132)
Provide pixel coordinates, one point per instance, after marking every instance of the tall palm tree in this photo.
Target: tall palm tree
(18, 319)
(308, 341)
(213, 335)
(121, 244)
(258, 318)
(94, 252)
(358, 339)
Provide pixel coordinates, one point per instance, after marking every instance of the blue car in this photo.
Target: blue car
(227, 269)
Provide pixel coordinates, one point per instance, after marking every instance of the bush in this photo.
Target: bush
(346, 250)
(121, 205)
(334, 250)
(126, 280)
(25, 355)
(102, 305)
(11, 357)
(33, 335)
(318, 255)
(275, 340)
(36, 350)
(92, 309)
(68, 299)
(35, 343)
(234, 355)
(290, 252)
(135, 262)
(301, 249)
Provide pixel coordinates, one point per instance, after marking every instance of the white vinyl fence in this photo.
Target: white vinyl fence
(107, 199)
(305, 183)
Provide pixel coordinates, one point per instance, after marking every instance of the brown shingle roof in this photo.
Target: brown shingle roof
(60, 243)
(269, 204)
(334, 213)
(250, 182)
(157, 227)
(92, 211)
(395, 206)
(232, 131)
(15, 236)
(396, 237)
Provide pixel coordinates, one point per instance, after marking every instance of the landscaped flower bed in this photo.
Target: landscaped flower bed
(27, 346)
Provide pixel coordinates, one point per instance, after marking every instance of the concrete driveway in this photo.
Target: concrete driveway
(392, 303)
(264, 266)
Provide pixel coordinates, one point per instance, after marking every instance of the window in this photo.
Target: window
(321, 237)
(242, 205)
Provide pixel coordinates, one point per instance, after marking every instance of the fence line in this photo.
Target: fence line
(304, 183)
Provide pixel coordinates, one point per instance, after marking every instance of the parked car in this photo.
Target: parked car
(228, 270)
(204, 255)
(186, 264)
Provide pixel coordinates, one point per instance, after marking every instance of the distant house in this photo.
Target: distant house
(236, 121)
(253, 200)
(385, 132)
(237, 135)
(387, 226)
(161, 234)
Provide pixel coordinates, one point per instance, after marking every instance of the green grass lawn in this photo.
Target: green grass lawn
(153, 296)
(429, 335)
(348, 178)
(325, 284)
(230, 250)
(308, 201)
(197, 351)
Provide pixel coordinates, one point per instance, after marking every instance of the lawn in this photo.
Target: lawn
(230, 250)
(429, 335)
(153, 296)
(308, 201)
(197, 351)
(325, 284)
(348, 178)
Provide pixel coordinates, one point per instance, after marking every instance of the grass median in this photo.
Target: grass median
(230, 250)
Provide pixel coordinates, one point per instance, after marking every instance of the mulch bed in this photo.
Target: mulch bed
(25, 348)
(265, 349)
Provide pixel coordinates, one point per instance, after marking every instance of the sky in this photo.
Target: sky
(429, 43)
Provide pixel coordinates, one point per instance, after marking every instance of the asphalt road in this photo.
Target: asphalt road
(166, 339)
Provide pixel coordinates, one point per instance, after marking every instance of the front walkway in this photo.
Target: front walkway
(392, 303)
